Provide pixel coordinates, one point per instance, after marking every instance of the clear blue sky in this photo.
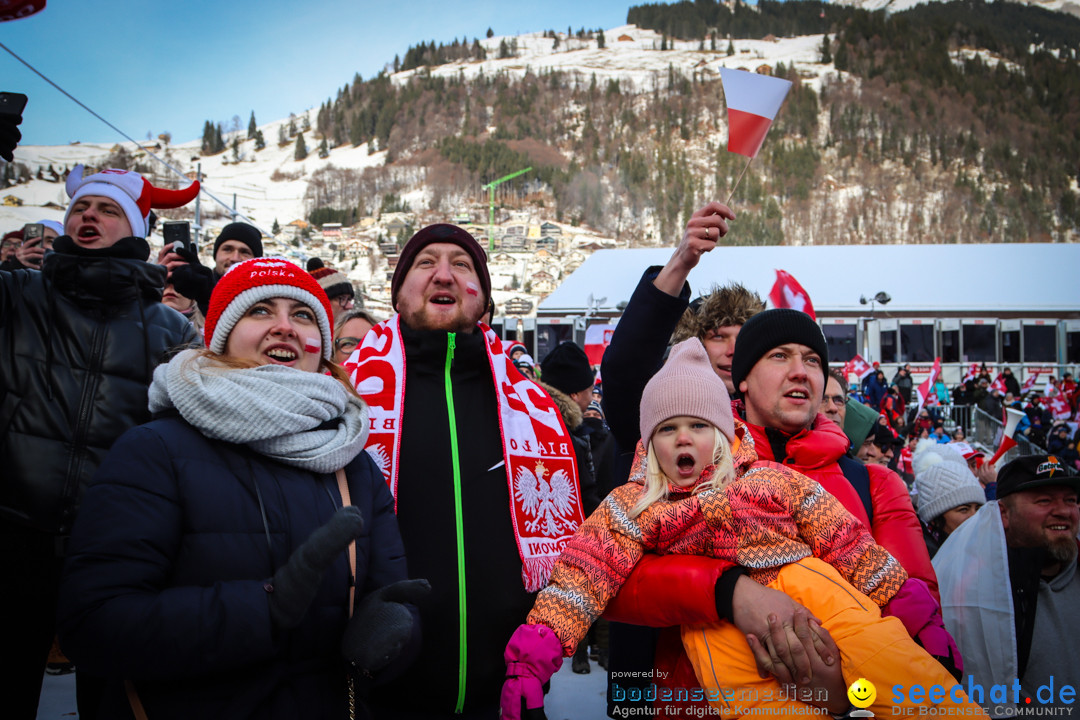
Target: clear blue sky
(154, 66)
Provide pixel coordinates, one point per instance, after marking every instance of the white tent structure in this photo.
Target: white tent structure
(1016, 304)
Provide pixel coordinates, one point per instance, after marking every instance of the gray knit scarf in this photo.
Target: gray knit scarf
(305, 419)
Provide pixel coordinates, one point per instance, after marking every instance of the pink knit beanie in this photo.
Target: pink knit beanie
(686, 385)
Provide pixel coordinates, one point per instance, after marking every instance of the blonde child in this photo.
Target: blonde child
(700, 489)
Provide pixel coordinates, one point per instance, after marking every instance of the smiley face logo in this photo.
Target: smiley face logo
(862, 693)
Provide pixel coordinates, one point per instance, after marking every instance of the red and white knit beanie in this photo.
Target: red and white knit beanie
(688, 386)
(131, 191)
(258, 279)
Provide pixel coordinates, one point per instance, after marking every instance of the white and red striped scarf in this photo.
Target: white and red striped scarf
(545, 499)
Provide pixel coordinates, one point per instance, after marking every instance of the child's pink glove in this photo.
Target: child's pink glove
(532, 656)
(916, 608)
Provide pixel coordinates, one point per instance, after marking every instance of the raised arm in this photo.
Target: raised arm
(661, 297)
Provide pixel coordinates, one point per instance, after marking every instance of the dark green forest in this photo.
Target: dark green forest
(919, 116)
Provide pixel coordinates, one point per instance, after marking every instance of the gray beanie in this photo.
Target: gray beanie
(944, 486)
(686, 385)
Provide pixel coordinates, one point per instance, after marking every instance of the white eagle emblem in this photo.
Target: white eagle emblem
(380, 456)
(549, 502)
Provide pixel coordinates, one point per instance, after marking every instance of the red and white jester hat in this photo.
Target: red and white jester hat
(129, 190)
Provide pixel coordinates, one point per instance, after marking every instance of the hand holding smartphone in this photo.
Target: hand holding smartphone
(32, 252)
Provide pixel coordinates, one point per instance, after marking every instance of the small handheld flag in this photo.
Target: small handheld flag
(752, 102)
(788, 293)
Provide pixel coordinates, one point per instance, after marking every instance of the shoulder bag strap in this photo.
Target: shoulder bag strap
(343, 488)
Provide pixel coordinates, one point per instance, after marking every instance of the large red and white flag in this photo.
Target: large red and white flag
(752, 102)
(788, 293)
(1058, 407)
(972, 372)
(597, 338)
(858, 366)
(999, 384)
(1029, 384)
(926, 387)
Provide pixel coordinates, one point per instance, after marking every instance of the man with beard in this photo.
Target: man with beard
(470, 448)
(1036, 511)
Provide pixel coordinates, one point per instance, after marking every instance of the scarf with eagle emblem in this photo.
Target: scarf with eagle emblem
(541, 472)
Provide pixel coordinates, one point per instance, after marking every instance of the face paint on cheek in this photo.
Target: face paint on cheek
(472, 288)
(312, 345)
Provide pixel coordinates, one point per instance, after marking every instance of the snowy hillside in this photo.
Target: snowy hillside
(631, 56)
(1069, 6)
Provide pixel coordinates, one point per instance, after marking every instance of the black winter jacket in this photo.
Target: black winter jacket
(489, 578)
(164, 583)
(79, 342)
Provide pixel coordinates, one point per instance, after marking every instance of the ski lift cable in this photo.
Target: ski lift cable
(147, 150)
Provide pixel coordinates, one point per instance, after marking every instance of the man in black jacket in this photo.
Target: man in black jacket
(437, 388)
(80, 340)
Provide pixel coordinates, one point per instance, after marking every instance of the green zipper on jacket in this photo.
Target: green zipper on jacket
(455, 462)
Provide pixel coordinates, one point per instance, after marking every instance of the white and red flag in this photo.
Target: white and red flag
(1029, 384)
(752, 102)
(597, 338)
(1058, 407)
(858, 366)
(999, 384)
(972, 372)
(788, 293)
(926, 387)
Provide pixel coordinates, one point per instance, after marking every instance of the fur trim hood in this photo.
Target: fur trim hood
(724, 305)
(571, 413)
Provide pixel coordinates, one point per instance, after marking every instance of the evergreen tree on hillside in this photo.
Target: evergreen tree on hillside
(276, 228)
(301, 148)
(212, 142)
(324, 151)
(252, 127)
(207, 138)
(600, 41)
(260, 141)
(826, 53)
(490, 33)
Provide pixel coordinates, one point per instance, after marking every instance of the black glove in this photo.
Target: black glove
(295, 584)
(381, 626)
(9, 135)
(195, 281)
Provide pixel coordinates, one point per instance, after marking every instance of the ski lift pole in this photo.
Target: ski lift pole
(491, 207)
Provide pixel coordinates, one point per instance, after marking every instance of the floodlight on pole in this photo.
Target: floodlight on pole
(881, 298)
(491, 212)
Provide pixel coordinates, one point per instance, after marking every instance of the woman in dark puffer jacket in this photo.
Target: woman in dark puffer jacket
(209, 570)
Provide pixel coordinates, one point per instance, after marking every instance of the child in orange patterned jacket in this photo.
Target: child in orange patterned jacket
(700, 489)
